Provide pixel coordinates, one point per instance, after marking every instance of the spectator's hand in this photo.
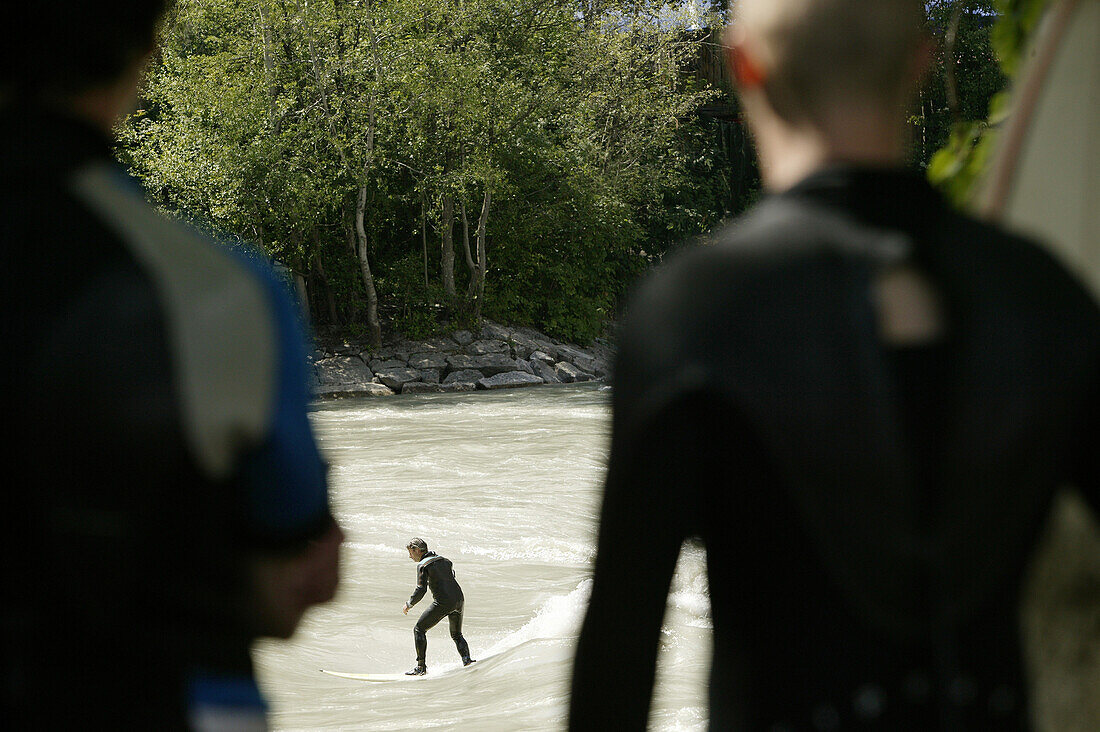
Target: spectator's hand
(285, 587)
(405, 610)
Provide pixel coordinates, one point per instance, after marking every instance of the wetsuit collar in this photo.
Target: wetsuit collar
(886, 197)
(428, 559)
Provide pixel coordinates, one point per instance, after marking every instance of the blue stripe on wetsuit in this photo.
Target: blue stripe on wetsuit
(286, 477)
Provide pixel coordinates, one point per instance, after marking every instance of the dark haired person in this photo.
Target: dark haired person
(859, 399)
(437, 574)
(166, 501)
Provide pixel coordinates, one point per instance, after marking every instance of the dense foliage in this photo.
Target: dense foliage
(964, 75)
(440, 159)
(964, 152)
(419, 163)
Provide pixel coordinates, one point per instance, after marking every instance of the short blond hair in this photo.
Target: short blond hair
(820, 53)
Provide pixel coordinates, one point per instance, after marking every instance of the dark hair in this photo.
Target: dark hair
(67, 46)
(417, 544)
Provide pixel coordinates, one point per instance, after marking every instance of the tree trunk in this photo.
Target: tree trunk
(373, 323)
(466, 248)
(361, 205)
(482, 255)
(448, 257)
(424, 237)
(330, 299)
(349, 233)
(303, 295)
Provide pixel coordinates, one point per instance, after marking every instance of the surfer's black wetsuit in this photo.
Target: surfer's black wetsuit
(437, 574)
(867, 511)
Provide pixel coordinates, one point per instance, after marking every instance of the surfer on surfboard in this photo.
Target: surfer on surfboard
(437, 574)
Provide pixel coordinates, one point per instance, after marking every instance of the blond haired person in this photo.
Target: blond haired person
(860, 401)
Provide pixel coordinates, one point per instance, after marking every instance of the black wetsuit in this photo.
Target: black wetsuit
(437, 574)
(156, 439)
(868, 512)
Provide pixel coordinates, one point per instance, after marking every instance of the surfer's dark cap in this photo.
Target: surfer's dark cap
(417, 544)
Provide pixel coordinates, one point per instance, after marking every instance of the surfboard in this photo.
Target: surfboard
(372, 677)
(446, 670)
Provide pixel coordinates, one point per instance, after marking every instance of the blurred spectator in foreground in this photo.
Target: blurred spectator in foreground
(166, 501)
(860, 400)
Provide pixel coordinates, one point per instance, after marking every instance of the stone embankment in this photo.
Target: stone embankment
(495, 358)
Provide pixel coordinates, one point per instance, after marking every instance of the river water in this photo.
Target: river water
(507, 485)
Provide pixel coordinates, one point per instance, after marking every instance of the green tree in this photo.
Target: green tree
(964, 154)
(537, 139)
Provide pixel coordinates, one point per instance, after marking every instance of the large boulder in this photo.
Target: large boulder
(388, 365)
(485, 347)
(464, 376)
(342, 370)
(602, 350)
(421, 387)
(545, 371)
(489, 364)
(591, 365)
(430, 376)
(459, 386)
(494, 331)
(463, 337)
(386, 354)
(398, 377)
(509, 380)
(428, 361)
(494, 363)
(522, 365)
(571, 353)
(353, 390)
(460, 362)
(539, 341)
(546, 358)
(522, 346)
(569, 373)
(583, 360)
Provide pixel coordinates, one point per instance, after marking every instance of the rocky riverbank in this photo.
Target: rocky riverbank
(496, 357)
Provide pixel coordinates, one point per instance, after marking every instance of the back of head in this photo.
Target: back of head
(67, 46)
(817, 54)
(417, 543)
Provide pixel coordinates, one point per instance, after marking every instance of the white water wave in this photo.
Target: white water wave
(558, 618)
(537, 549)
(378, 548)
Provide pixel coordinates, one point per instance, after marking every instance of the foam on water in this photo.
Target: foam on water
(558, 618)
(537, 549)
(694, 604)
(690, 590)
(378, 548)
